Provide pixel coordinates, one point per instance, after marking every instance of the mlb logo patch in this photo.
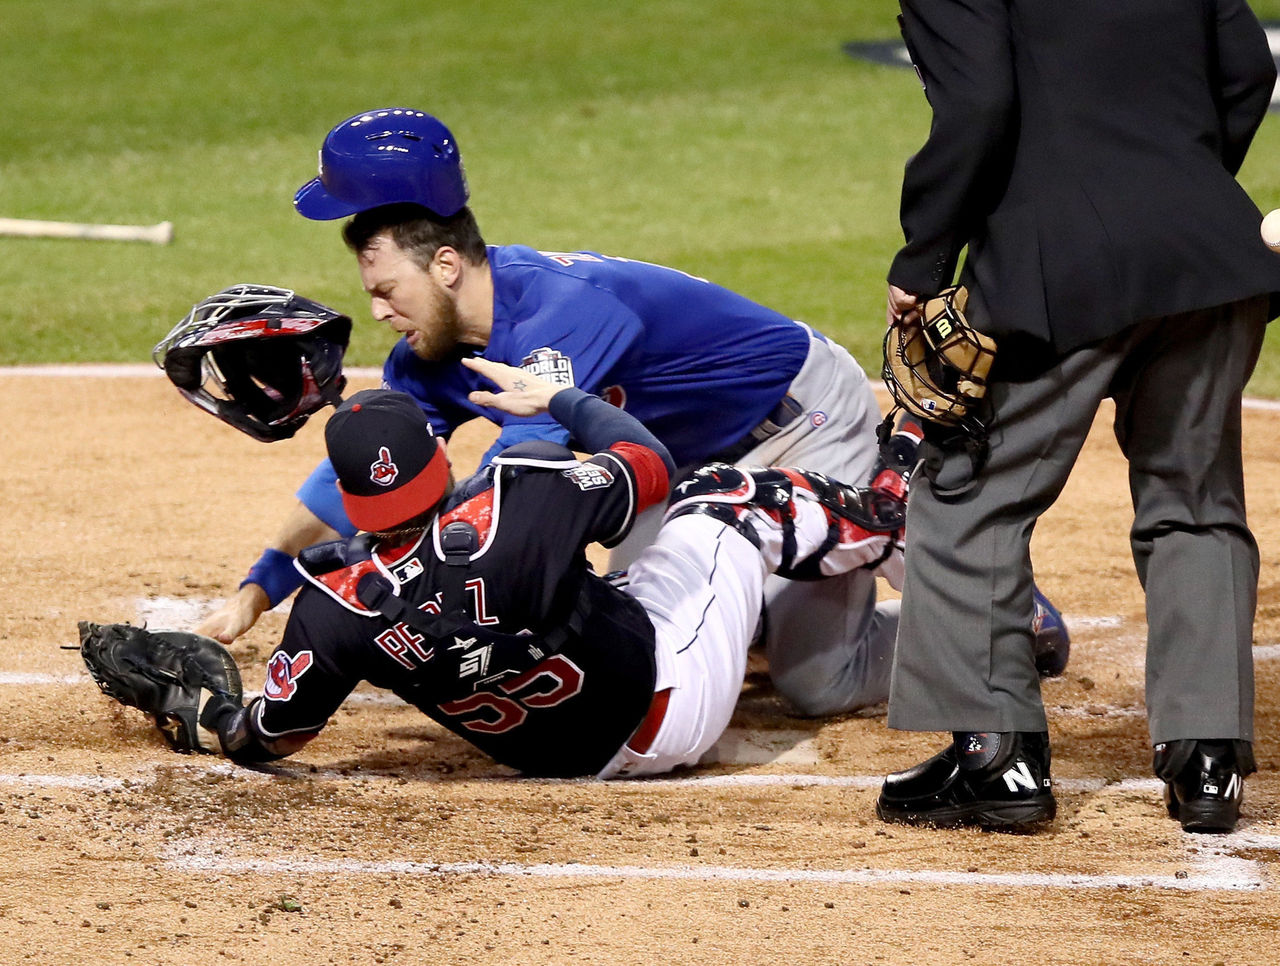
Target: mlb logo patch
(405, 572)
(549, 364)
(589, 476)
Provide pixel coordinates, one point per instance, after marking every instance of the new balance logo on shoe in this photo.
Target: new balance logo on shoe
(1235, 785)
(1204, 781)
(1020, 775)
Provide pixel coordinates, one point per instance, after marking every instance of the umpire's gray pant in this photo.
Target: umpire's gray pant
(963, 660)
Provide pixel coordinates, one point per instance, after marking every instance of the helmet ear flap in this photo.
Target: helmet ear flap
(325, 349)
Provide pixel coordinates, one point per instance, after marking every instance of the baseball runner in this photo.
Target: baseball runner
(712, 374)
(479, 606)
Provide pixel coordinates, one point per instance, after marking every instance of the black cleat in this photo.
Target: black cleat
(988, 779)
(1204, 781)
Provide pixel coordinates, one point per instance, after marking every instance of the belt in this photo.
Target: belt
(641, 739)
(788, 410)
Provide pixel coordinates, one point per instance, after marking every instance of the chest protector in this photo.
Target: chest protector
(555, 703)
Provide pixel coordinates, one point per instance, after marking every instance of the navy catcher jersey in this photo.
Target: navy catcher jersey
(543, 702)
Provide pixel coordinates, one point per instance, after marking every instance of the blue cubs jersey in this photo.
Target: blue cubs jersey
(697, 364)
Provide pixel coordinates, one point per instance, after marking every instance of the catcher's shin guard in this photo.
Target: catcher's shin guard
(741, 497)
(872, 509)
(756, 499)
(857, 516)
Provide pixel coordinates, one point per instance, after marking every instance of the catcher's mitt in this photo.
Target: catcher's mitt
(183, 680)
(936, 368)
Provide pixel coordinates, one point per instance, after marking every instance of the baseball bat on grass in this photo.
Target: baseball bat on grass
(160, 234)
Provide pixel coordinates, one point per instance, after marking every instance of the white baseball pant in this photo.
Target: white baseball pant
(701, 583)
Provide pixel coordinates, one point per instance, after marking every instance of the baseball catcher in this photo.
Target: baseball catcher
(184, 681)
(477, 605)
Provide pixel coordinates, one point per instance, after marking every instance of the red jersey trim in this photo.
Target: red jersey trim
(652, 480)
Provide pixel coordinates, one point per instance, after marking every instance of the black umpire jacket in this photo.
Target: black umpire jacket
(1085, 151)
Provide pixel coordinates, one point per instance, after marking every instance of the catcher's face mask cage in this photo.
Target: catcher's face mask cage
(260, 358)
(937, 368)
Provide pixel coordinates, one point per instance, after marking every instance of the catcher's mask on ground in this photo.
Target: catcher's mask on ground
(390, 465)
(260, 358)
(385, 157)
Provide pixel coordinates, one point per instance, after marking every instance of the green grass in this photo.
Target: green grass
(730, 138)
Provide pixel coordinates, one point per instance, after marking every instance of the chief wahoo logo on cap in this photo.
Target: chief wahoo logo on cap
(382, 471)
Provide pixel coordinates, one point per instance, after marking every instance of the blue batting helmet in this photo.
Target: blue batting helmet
(384, 157)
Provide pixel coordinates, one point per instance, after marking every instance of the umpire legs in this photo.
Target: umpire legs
(963, 660)
(1178, 423)
(965, 657)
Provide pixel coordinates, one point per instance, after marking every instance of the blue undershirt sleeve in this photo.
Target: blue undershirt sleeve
(596, 425)
(319, 494)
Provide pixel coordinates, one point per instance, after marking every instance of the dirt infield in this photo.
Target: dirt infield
(389, 841)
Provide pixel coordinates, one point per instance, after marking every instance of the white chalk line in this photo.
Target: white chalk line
(194, 857)
(130, 370)
(1216, 862)
(23, 678)
(23, 780)
(119, 370)
(1076, 622)
(748, 781)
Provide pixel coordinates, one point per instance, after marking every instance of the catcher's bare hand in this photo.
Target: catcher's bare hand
(522, 393)
(236, 616)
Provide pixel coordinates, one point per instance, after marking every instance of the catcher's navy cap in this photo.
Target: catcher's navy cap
(385, 157)
(390, 465)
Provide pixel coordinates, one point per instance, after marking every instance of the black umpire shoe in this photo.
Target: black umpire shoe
(1204, 781)
(997, 780)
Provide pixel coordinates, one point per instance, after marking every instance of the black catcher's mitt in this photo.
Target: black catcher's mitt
(936, 368)
(183, 680)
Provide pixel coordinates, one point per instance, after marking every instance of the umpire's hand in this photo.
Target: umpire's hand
(903, 307)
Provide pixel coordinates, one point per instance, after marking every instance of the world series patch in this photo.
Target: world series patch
(549, 364)
(589, 476)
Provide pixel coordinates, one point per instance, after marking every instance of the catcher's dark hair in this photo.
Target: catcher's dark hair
(418, 231)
